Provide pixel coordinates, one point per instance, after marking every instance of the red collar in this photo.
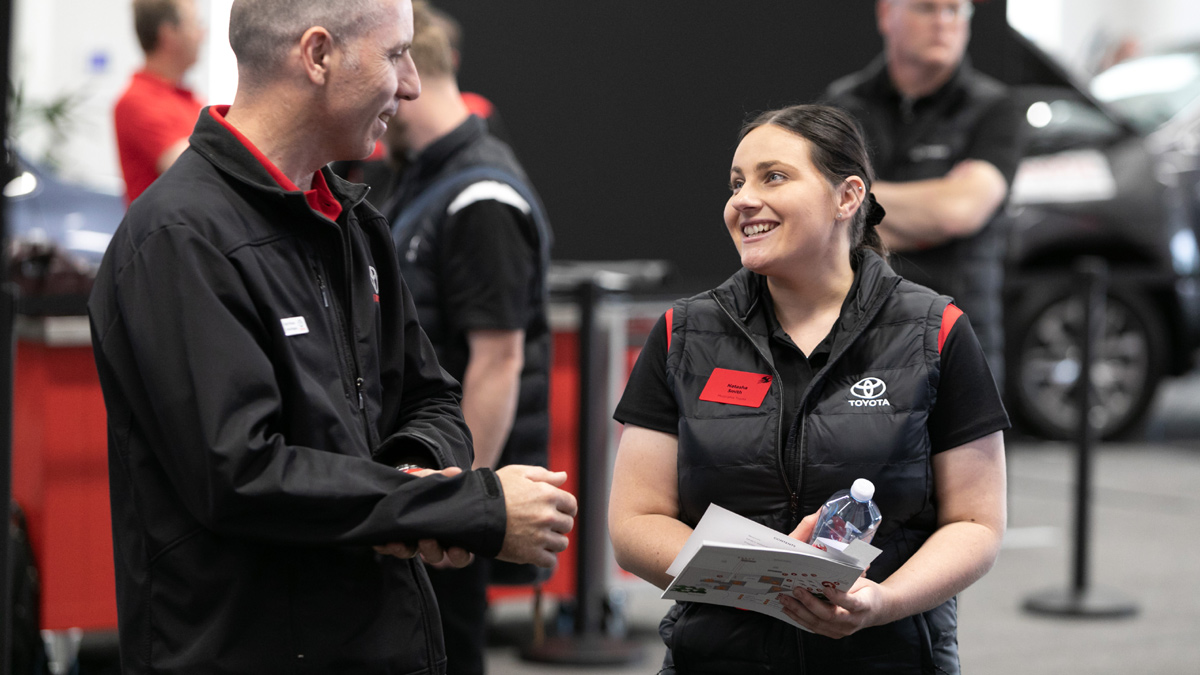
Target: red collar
(320, 197)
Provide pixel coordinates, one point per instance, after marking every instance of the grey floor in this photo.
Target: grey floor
(1144, 548)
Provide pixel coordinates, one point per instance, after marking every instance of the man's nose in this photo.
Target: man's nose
(408, 84)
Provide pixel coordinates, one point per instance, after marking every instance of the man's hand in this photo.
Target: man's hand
(539, 514)
(431, 551)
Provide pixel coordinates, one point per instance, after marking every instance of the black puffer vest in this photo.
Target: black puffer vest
(848, 427)
(476, 157)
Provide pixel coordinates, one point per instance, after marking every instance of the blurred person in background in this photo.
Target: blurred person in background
(945, 144)
(473, 241)
(814, 313)
(155, 114)
(478, 104)
(282, 439)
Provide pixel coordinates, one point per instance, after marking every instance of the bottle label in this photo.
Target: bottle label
(825, 544)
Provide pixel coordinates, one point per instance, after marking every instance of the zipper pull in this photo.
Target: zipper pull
(358, 384)
(324, 295)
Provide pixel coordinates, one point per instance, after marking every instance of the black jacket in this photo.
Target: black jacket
(263, 369)
(729, 455)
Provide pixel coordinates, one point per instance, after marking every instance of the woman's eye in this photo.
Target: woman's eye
(735, 185)
(775, 176)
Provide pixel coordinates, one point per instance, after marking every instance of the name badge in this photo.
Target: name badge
(736, 387)
(294, 325)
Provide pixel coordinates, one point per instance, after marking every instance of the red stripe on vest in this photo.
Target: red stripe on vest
(670, 322)
(949, 316)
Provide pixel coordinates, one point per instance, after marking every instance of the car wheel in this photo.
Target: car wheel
(1044, 362)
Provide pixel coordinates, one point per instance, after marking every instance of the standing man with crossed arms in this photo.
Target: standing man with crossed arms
(267, 383)
(945, 142)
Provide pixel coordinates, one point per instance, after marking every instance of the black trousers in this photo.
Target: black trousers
(462, 602)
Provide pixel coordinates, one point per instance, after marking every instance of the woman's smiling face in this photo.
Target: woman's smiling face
(782, 210)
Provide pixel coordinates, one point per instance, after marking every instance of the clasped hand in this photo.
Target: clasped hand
(538, 516)
(431, 550)
(843, 612)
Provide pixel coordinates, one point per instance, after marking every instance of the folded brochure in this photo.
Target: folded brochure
(733, 561)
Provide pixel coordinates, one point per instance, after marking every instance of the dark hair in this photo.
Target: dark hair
(837, 150)
(148, 16)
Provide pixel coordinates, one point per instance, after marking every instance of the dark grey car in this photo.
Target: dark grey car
(1113, 172)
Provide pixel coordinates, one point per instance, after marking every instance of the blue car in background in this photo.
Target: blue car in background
(58, 233)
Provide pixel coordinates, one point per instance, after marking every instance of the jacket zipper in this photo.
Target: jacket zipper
(349, 356)
(356, 371)
(793, 498)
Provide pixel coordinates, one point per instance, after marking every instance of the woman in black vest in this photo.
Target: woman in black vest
(814, 311)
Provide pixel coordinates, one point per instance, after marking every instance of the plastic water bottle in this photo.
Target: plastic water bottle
(846, 516)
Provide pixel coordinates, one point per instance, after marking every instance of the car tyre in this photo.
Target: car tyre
(1044, 361)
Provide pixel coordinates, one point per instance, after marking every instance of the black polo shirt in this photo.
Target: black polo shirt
(972, 116)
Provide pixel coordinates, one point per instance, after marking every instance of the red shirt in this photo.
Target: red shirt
(320, 197)
(151, 116)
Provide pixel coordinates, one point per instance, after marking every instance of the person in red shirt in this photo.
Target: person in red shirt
(155, 115)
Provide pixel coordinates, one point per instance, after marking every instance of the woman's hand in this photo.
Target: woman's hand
(845, 613)
(804, 530)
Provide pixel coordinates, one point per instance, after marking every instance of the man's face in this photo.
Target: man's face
(925, 33)
(368, 78)
(187, 36)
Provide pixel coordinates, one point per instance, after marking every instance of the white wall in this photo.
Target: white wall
(1078, 31)
(87, 48)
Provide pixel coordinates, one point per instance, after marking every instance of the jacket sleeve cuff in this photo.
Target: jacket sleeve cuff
(411, 448)
(495, 515)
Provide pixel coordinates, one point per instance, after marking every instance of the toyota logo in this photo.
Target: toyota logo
(869, 387)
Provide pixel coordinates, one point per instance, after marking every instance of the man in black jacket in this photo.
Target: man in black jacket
(474, 250)
(265, 376)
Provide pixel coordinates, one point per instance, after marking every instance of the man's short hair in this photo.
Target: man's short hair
(262, 31)
(431, 49)
(149, 16)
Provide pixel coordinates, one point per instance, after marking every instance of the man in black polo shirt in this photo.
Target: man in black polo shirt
(945, 146)
(474, 244)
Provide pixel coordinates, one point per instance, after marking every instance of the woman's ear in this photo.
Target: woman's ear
(850, 196)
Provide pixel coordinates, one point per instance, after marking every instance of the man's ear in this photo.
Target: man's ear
(167, 35)
(882, 7)
(316, 52)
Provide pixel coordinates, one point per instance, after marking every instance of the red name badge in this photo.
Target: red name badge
(736, 387)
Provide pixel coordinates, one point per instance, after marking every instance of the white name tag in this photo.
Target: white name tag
(294, 325)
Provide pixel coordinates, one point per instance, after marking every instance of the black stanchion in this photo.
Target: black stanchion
(1082, 599)
(590, 644)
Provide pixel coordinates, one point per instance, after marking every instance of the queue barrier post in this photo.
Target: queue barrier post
(1081, 598)
(592, 642)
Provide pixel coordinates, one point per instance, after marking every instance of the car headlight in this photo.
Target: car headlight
(1184, 253)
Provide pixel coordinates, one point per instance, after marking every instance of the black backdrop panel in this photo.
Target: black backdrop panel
(624, 112)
